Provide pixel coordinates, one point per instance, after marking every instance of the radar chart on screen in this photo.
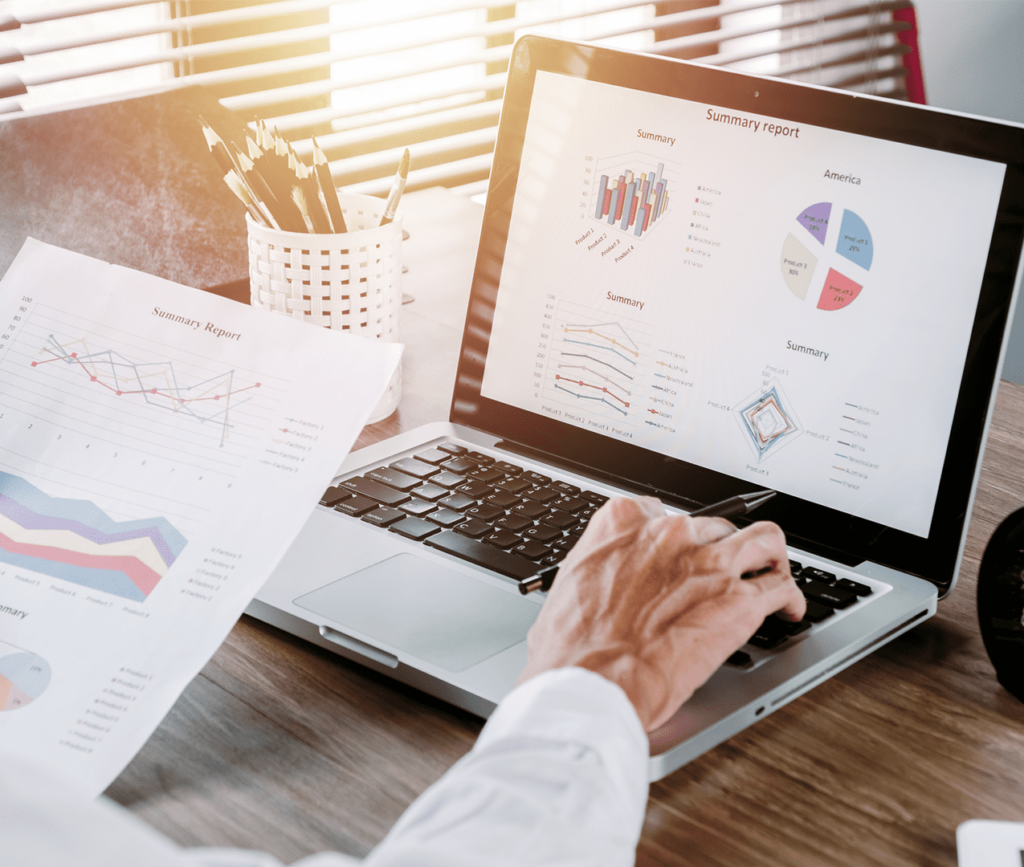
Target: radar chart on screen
(826, 256)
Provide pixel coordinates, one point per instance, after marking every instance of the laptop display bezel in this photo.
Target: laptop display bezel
(808, 525)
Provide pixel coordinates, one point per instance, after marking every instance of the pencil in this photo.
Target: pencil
(327, 190)
(397, 186)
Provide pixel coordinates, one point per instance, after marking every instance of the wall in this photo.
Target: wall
(972, 52)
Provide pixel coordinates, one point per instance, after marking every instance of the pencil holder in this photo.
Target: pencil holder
(351, 281)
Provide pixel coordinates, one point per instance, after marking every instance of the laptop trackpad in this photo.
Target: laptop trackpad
(426, 610)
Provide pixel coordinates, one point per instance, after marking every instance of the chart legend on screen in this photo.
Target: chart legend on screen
(632, 193)
(826, 256)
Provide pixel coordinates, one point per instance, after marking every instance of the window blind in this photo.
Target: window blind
(370, 78)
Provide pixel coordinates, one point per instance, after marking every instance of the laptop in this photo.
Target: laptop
(691, 283)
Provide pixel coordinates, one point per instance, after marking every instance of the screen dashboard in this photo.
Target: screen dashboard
(756, 299)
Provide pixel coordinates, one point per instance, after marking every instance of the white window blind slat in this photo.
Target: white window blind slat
(423, 73)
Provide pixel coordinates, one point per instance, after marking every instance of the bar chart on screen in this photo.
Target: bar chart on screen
(631, 192)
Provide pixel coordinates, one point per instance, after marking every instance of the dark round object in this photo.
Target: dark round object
(1001, 602)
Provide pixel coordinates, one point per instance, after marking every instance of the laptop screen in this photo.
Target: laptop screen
(734, 287)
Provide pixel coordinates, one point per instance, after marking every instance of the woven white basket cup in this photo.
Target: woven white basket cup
(351, 281)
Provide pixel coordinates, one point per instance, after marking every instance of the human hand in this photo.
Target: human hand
(655, 603)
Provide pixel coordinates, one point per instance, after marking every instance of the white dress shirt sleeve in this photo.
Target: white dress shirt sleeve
(557, 777)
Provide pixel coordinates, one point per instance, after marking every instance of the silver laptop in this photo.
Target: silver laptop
(691, 283)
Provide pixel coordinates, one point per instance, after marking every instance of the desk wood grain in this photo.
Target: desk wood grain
(280, 746)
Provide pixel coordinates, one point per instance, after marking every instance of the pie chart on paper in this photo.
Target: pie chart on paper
(826, 256)
(23, 677)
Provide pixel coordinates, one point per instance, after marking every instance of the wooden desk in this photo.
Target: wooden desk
(280, 746)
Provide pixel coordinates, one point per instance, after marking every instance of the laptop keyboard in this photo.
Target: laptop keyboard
(518, 522)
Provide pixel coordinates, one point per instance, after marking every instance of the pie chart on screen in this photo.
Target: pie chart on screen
(24, 677)
(827, 255)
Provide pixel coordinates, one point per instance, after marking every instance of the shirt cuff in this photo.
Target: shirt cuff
(575, 705)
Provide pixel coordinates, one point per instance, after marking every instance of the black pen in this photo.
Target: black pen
(732, 507)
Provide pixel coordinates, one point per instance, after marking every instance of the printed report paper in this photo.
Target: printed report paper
(160, 447)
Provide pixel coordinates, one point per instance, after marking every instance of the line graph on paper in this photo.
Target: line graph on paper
(597, 363)
(156, 383)
(114, 446)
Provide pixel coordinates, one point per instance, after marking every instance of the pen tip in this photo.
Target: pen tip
(403, 166)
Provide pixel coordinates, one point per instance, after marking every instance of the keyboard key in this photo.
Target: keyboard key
(816, 611)
(394, 479)
(542, 495)
(774, 630)
(537, 479)
(429, 491)
(447, 479)
(854, 587)
(370, 488)
(474, 488)
(485, 511)
(417, 507)
(566, 488)
(383, 516)
(433, 456)
(446, 517)
(507, 468)
(795, 567)
(769, 635)
(502, 539)
(458, 502)
(833, 596)
(515, 523)
(486, 474)
(513, 486)
(413, 467)
(565, 543)
(529, 510)
(452, 448)
(542, 533)
(473, 527)
(560, 519)
(415, 528)
(501, 498)
(480, 457)
(570, 504)
(595, 498)
(532, 548)
(483, 554)
(553, 559)
(356, 505)
(459, 465)
(332, 496)
(819, 575)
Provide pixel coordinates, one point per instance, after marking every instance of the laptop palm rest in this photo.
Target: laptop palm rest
(425, 610)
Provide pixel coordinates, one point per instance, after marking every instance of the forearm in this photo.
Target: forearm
(558, 776)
